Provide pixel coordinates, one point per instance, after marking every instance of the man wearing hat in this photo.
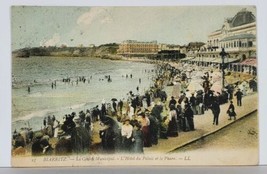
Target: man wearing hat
(80, 138)
(63, 146)
(239, 95)
(108, 137)
(172, 102)
(37, 148)
(215, 107)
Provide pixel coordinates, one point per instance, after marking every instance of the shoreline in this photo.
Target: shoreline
(162, 77)
(82, 85)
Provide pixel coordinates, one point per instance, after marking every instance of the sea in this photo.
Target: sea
(38, 73)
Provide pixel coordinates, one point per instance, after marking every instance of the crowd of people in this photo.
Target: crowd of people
(129, 126)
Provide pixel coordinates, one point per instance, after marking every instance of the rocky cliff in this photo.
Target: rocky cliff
(102, 51)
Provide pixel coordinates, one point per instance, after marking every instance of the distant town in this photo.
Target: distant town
(237, 36)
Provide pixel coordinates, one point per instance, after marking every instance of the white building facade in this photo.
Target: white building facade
(237, 36)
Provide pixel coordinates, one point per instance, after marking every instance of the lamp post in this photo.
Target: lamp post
(223, 54)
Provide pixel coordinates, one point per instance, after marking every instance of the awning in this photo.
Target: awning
(252, 62)
(248, 62)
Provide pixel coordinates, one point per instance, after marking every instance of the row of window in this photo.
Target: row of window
(236, 44)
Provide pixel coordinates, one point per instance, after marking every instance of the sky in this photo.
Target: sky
(34, 26)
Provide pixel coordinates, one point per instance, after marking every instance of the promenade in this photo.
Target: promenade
(204, 125)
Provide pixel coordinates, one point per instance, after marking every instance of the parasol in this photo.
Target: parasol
(114, 99)
(108, 120)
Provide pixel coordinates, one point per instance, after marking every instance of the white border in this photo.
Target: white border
(5, 63)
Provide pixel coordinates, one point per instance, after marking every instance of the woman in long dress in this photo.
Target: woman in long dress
(231, 111)
(137, 139)
(189, 116)
(145, 129)
(172, 128)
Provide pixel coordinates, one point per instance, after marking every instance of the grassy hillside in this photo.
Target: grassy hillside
(99, 51)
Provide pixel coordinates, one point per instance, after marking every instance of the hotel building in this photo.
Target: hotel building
(237, 36)
(136, 48)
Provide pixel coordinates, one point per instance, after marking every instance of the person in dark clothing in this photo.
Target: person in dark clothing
(137, 139)
(147, 96)
(63, 146)
(164, 128)
(181, 98)
(44, 122)
(95, 114)
(230, 91)
(153, 128)
(231, 111)
(53, 118)
(156, 112)
(134, 104)
(253, 85)
(192, 102)
(172, 127)
(37, 148)
(103, 111)
(179, 117)
(82, 116)
(108, 139)
(19, 141)
(80, 138)
(172, 102)
(114, 105)
(239, 95)
(120, 105)
(189, 115)
(215, 107)
(47, 148)
(163, 96)
(30, 134)
(206, 100)
(68, 124)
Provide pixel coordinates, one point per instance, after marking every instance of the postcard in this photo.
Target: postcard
(134, 86)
